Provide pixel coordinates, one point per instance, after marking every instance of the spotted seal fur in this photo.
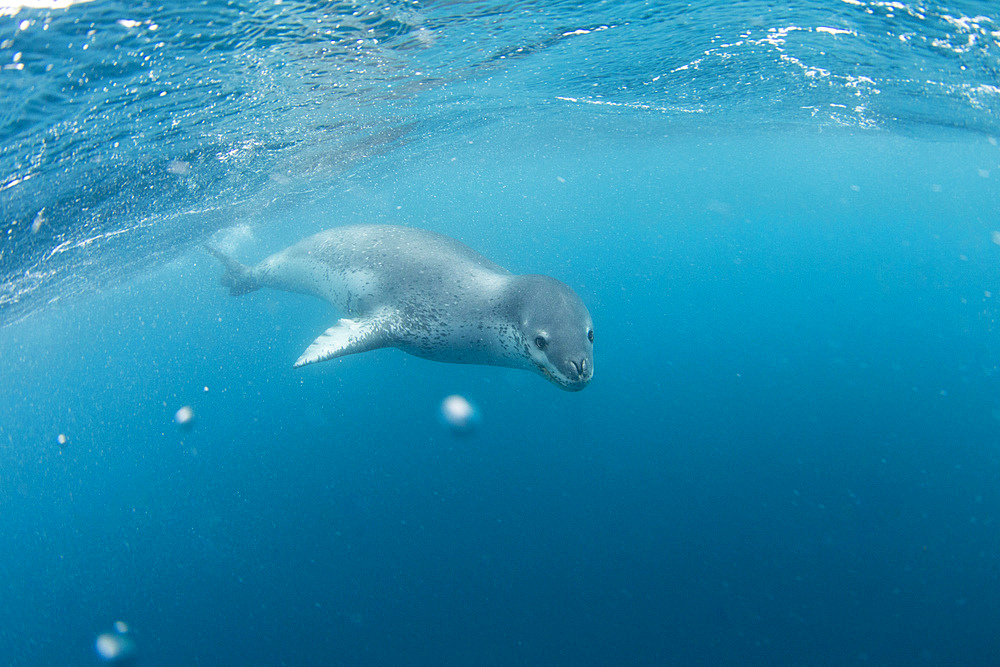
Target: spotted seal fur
(431, 296)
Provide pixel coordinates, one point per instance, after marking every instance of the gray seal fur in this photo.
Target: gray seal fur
(431, 296)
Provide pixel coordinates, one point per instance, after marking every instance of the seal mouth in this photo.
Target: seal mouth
(568, 385)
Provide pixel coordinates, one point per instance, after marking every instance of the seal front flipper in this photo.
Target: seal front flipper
(238, 277)
(346, 337)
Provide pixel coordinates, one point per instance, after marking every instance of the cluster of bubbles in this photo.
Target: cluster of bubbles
(456, 412)
(117, 645)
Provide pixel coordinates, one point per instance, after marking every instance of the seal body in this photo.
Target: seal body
(431, 296)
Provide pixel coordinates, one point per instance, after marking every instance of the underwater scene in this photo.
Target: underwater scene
(468, 332)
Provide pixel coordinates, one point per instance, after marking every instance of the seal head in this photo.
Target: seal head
(555, 330)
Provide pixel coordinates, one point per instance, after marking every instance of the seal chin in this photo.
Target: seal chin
(574, 386)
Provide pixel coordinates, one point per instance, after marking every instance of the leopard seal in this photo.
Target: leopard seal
(431, 296)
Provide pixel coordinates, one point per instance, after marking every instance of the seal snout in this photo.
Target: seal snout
(579, 373)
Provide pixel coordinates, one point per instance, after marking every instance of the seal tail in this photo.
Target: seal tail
(238, 277)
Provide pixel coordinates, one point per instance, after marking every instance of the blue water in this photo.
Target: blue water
(785, 221)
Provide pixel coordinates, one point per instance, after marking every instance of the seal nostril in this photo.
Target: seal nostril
(579, 370)
(583, 366)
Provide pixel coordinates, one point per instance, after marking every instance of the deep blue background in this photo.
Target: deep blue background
(788, 455)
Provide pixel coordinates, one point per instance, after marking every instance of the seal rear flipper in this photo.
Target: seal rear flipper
(238, 277)
(343, 338)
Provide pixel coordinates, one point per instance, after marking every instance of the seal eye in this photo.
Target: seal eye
(590, 335)
(540, 342)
